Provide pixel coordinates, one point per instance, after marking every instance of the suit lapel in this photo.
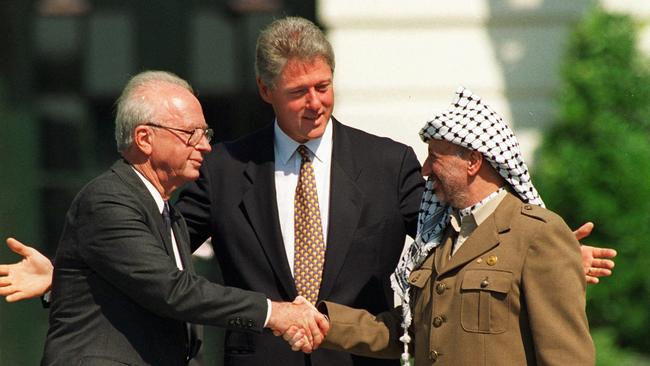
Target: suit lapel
(125, 171)
(344, 208)
(259, 205)
(486, 236)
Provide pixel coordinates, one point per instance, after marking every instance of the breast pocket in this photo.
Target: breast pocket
(485, 305)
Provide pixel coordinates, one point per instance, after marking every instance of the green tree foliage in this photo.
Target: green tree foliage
(594, 164)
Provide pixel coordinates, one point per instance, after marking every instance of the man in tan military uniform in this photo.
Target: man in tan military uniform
(501, 281)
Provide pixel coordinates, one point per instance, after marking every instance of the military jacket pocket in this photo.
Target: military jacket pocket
(485, 305)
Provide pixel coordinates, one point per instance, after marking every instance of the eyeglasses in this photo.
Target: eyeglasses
(195, 134)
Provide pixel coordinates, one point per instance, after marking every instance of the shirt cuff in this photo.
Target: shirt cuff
(268, 312)
(46, 299)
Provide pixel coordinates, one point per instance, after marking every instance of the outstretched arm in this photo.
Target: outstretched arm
(31, 277)
(596, 262)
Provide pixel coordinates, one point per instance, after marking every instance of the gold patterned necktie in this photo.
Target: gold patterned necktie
(308, 230)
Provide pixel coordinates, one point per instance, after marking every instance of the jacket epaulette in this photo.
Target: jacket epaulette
(536, 212)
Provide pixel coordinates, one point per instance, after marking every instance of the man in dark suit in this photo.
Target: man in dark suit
(124, 291)
(369, 189)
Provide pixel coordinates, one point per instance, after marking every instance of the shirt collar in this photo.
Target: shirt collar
(152, 190)
(480, 211)
(285, 146)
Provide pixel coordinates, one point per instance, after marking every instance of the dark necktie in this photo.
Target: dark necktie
(308, 231)
(168, 229)
(167, 219)
(193, 343)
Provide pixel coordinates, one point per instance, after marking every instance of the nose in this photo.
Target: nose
(426, 168)
(203, 145)
(313, 100)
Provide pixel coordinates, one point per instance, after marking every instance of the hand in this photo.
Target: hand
(297, 339)
(595, 261)
(31, 277)
(303, 316)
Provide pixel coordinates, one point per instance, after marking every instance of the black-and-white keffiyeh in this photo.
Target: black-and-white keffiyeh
(474, 125)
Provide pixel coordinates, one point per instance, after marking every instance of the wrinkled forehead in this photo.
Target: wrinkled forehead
(443, 147)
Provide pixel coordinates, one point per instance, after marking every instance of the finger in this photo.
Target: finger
(300, 336)
(584, 230)
(602, 263)
(317, 336)
(299, 344)
(592, 280)
(291, 333)
(7, 290)
(17, 247)
(604, 253)
(4, 281)
(307, 324)
(599, 272)
(307, 347)
(4, 269)
(17, 296)
(323, 324)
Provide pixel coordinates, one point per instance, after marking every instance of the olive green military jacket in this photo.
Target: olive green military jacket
(513, 294)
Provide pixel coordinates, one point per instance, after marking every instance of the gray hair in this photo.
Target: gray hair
(290, 37)
(133, 111)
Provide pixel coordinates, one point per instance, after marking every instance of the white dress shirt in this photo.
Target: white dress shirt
(287, 170)
(161, 204)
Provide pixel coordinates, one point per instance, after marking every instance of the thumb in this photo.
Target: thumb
(299, 300)
(584, 230)
(18, 247)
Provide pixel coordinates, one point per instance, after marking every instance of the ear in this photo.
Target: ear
(264, 90)
(474, 162)
(143, 139)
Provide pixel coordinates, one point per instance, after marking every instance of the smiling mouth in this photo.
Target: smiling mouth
(313, 118)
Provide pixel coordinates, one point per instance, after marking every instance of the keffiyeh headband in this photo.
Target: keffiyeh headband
(472, 124)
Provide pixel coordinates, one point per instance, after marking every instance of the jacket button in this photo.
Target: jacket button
(492, 260)
(437, 321)
(528, 207)
(440, 288)
(485, 283)
(433, 355)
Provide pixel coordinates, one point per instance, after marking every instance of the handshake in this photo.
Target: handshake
(299, 323)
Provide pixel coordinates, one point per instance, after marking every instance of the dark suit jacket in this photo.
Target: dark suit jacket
(375, 193)
(513, 294)
(118, 297)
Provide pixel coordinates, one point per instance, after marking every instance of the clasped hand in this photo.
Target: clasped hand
(299, 323)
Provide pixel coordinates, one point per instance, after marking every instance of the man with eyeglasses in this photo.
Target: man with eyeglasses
(124, 290)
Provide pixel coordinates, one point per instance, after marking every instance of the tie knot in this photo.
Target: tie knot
(304, 152)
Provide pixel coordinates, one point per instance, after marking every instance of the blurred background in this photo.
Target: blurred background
(570, 76)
